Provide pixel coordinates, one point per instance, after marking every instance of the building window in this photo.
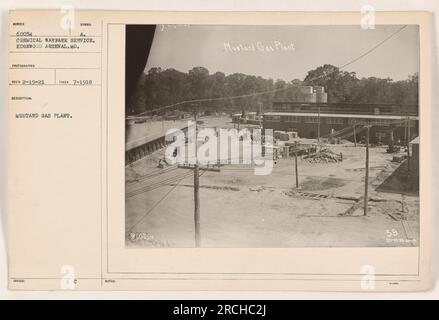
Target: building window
(381, 122)
(355, 121)
(272, 118)
(334, 120)
(294, 119)
(311, 119)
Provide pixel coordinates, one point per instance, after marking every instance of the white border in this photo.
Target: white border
(221, 5)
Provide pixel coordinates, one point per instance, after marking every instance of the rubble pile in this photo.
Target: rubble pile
(323, 156)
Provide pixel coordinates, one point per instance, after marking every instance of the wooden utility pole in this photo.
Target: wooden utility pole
(197, 189)
(405, 131)
(197, 206)
(355, 137)
(297, 170)
(260, 114)
(408, 144)
(318, 126)
(366, 178)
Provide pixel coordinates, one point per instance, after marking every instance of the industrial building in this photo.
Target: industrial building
(310, 115)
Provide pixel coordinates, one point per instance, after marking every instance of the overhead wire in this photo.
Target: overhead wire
(274, 90)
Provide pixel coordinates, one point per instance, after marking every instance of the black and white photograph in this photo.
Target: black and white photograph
(268, 152)
(261, 136)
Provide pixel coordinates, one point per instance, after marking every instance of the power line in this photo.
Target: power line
(153, 187)
(157, 184)
(280, 89)
(153, 175)
(155, 205)
(374, 48)
(161, 199)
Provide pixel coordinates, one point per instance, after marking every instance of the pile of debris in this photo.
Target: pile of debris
(324, 155)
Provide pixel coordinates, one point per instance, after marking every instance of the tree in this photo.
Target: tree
(338, 84)
(157, 88)
(199, 84)
(279, 86)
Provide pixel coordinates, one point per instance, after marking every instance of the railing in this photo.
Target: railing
(347, 108)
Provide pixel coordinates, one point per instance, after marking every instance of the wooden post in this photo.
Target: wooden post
(405, 131)
(408, 144)
(355, 137)
(318, 126)
(197, 206)
(391, 138)
(197, 190)
(366, 178)
(297, 170)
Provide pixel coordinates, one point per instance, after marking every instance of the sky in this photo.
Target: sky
(286, 52)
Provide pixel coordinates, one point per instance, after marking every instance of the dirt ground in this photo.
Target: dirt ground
(241, 209)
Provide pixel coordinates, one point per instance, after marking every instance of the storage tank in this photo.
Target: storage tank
(310, 97)
(322, 97)
(306, 89)
(319, 89)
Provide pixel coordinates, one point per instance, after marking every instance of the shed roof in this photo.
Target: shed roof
(415, 140)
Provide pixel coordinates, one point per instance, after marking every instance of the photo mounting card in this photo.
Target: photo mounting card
(203, 151)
